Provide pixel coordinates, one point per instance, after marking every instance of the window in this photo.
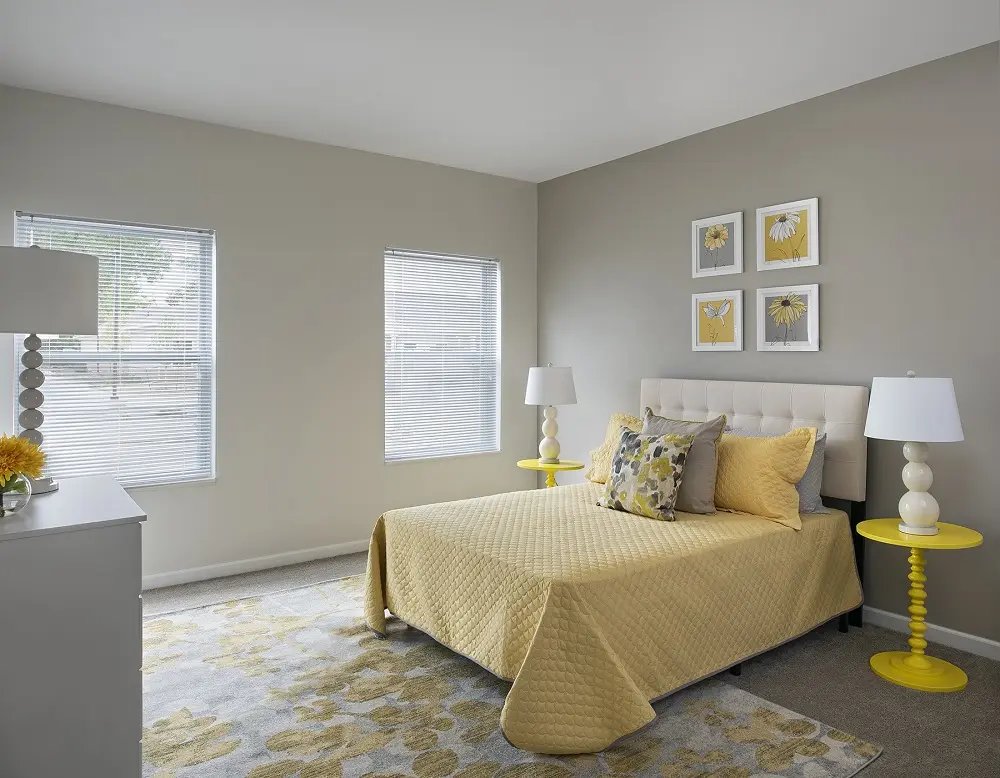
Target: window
(136, 401)
(442, 355)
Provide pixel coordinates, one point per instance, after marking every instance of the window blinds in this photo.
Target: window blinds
(136, 401)
(442, 355)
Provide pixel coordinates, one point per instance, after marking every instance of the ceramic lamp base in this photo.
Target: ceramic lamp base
(918, 509)
(548, 449)
(924, 673)
(917, 530)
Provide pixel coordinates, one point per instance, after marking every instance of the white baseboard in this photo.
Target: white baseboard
(192, 574)
(935, 634)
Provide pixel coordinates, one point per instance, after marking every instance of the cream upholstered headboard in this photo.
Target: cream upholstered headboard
(839, 411)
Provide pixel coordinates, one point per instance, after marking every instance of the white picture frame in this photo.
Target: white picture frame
(706, 311)
(701, 255)
(768, 246)
(788, 332)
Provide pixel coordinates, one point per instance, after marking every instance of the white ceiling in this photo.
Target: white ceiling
(530, 89)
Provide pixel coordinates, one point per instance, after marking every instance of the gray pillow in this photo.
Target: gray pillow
(697, 492)
(812, 480)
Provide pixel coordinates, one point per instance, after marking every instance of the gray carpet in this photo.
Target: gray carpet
(823, 675)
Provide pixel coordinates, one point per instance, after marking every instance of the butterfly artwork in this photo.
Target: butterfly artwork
(718, 312)
(717, 321)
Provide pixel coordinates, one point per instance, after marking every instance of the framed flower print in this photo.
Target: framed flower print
(717, 245)
(788, 318)
(717, 321)
(788, 235)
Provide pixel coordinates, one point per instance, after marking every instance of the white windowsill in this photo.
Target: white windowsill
(187, 482)
(443, 457)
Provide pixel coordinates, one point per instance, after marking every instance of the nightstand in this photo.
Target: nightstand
(913, 668)
(550, 470)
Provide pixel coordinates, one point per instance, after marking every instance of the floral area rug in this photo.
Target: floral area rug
(292, 685)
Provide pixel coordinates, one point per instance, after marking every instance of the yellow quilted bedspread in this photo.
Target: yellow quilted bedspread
(593, 613)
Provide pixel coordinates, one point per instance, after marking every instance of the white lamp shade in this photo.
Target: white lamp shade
(922, 410)
(48, 292)
(550, 386)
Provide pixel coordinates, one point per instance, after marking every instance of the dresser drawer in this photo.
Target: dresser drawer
(70, 658)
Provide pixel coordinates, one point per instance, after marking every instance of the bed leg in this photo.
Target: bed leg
(843, 623)
(858, 512)
(736, 669)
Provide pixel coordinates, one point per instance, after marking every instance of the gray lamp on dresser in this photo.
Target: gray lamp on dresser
(49, 292)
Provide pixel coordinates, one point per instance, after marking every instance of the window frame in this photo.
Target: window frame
(208, 337)
(498, 393)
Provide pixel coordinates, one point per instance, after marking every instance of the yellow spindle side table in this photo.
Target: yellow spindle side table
(550, 469)
(914, 669)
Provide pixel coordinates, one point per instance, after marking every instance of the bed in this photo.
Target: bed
(591, 613)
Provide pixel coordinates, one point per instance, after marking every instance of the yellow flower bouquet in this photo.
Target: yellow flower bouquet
(20, 460)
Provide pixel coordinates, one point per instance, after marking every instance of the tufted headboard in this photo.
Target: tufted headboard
(839, 411)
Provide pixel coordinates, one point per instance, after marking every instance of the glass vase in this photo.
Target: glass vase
(14, 495)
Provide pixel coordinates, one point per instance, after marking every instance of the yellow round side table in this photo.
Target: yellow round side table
(550, 469)
(914, 669)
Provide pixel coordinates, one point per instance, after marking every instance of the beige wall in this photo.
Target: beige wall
(301, 229)
(907, 170)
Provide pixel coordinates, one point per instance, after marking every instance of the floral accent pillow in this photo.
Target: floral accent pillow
(646, 474)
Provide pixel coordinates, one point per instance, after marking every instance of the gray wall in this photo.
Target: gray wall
(907, 170)
(301, 230)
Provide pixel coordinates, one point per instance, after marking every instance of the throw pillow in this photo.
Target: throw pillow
(646, 474)
(697, 493)
(811, 483)
(600, 457)
(758, 475)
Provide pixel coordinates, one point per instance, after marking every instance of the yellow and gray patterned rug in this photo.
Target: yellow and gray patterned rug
(292, 685)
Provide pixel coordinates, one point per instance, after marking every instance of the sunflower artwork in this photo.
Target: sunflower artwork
(788, 318)
(786, 311)
(787, 235)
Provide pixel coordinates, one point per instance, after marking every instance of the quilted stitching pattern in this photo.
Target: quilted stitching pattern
(758, 475)
(839, 411)
(600, 458)
(811, 483)
(593, 613)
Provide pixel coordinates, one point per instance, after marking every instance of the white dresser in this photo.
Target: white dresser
(71, 634)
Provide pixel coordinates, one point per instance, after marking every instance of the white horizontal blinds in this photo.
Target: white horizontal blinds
(135, 401)
(442, 355)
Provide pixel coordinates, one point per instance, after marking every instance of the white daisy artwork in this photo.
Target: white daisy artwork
(788, 235)
(717, 321)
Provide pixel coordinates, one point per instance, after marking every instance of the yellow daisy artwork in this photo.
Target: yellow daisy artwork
(788, 235)
(717, 319)
(788, 318)
(717, 245)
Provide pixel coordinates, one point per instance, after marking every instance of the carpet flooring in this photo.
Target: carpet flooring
(823, 675)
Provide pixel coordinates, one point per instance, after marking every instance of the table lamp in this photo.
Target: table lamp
(52, 292)
(550, 386)
(918, 411)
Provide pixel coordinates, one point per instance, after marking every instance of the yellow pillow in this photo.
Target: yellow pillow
(600, 458)
(758, 475)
